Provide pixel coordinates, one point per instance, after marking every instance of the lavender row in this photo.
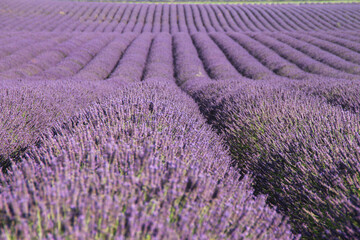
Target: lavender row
(11, 44)
(302, 151)
(186, 190)
(106, 17)
(187, 62)
(88, 56)
(343, 93)
(344, 35)
(131, 66)
(341, 39)
(266, 58)
(160, 64)
(215, 61)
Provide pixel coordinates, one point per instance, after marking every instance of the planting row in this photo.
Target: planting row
(302, 151)
(93, 56)
(115, 17)
(302, 148)
(141, 164)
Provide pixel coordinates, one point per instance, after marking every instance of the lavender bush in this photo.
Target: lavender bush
(303, 152)
(29, 109)
(142, 164)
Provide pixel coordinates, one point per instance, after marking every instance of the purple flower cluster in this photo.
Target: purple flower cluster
(29, 108)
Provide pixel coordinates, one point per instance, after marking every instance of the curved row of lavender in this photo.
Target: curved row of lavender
(301, 146)
(45, 15)
(126, 160)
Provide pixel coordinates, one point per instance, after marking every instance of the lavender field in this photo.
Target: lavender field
(179, 121)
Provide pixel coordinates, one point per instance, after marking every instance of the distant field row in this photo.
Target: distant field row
(121, 18)
(223, 2)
